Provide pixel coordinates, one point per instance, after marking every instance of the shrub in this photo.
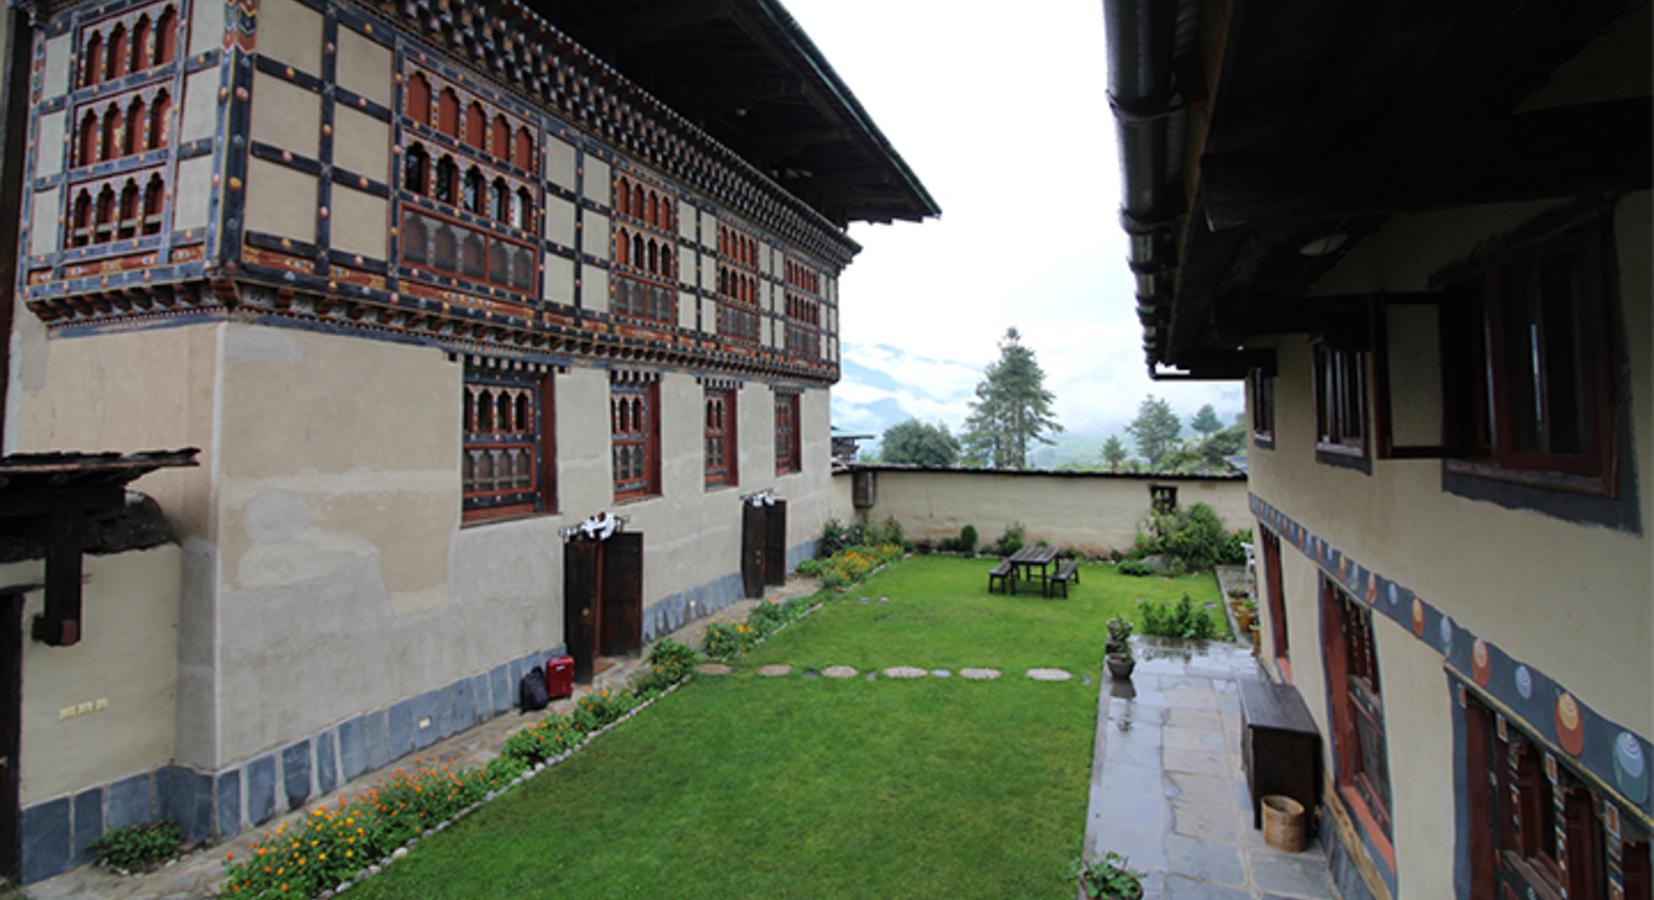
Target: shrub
(1234, 549)
(1193, 535)
(1180, 620)
(833, 535)
(1136, 567)
(967, 539)
(726, 640)
(134, 847)
(950, 545)
(1011, 541)
(810, 567)
(599, 708)
(552, 736)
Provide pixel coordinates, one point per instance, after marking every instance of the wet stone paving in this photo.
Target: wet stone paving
(1168, 789)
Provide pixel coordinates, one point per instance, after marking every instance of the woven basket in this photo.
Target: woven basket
(1283, 823)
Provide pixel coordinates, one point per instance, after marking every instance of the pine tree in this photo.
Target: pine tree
(1114, 452)
(1206, 421)
(1012, 407)
(1156, 429)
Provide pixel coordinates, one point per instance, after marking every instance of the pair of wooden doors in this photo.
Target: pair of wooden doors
(763, 546)
(602, 599)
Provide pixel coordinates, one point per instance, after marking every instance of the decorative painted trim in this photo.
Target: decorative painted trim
(1616, 758)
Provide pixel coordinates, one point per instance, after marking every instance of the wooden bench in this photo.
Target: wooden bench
(1068, 571)
(1005, 574)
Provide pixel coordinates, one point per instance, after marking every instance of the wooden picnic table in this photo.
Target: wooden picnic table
(1026, 560)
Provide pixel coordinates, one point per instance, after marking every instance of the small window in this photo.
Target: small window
(1340, 401)
(1163, 499)
(1263, 409)
(414, 165)
(635, 426)
(417, 99)
(787, 451)
(721, 446)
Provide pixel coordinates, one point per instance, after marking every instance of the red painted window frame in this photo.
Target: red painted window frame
(539, 435)
(1275, 596)
(788, 450)
(636, 425)
(1353, 686)
(722, 444)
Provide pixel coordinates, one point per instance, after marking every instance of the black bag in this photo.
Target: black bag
(531, 691)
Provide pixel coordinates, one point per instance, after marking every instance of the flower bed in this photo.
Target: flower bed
(851, 564)
(726, 640)
(338, 844)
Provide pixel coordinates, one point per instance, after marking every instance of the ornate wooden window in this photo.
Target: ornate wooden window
(1358, 736)
(788, 454)
(447, 112)
(446, 175)
(1538, 829)
(635, 426)
(415, 169)
(722, 448)
(120, 207)
(646, 286)
(522, 154)
(417, 99)
(133, 41)
(738, 284)
(508, 451)
(803, 337)
(1340, 401)
(1274, 588)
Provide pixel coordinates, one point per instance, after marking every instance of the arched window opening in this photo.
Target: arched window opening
(142, 35)
(654, 209)
(500, 140)
(623, 198)
(416, 103)
(133, 139)
(92, 61)
(522, 271)
(654, 257)
(499, 262)
(154, 200)
(446, 173)
(665, 261)
(109, 145)
(472, 262)
(523, 153)
(160, 121)
(86, 151)
(447, 112)
(415, 237)
(476, 126)
(127, 227)
(166, 36)
(503, 421)
(116, 65)
(80, 233)
(525, 210)
(445, 253)
(524, 417)
(638, 206)
(468, 413)
(623, 250)
(637, 250)
(485, 411)
(475, 193)
(104, 229)
(501, 201)
(414, 162)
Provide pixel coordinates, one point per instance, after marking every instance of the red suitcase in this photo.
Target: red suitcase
(560, 676)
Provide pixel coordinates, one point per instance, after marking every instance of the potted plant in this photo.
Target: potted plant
(1121, 660)
(1108, 878)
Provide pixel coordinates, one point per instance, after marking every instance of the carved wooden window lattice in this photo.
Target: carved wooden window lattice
(1340, 401)
(787, 451)
(489, 131)
(506, 421)
(451, 248)
(645, 254)
(803, 337)
(739, 284)
(123, 125)
(721, 444)
(635, 426)
(115, 209)
(133, 42)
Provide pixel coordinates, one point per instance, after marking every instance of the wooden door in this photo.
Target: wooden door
(582, 574)
(752, 549)
(775, 543)
(620, 596)
(11, 704)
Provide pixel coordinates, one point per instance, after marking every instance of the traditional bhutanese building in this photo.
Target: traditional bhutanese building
(429, 283)
(1421, 233)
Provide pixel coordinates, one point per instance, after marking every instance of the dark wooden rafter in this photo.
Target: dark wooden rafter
(1586, 148)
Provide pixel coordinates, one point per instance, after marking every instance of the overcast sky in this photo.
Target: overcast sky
(1005, 120)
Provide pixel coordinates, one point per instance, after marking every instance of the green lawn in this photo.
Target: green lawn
(742, 786)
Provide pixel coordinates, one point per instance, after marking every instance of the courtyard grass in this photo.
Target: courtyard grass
(742, 786)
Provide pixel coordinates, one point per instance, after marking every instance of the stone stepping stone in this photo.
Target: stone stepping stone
(1049, 674)
(713, 669)
(979, 674)
(775, 670)
(905, 672)
(839, 672)
(940, 673)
